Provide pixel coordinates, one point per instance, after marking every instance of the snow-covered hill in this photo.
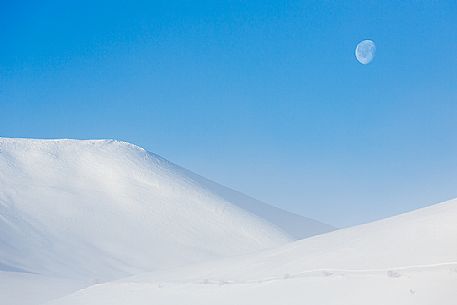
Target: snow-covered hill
(407, 259)
(91, 211)
(105, 209)
(424, 237)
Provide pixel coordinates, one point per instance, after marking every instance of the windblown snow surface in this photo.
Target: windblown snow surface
(407, 259)
(99, 210)
(20, 288)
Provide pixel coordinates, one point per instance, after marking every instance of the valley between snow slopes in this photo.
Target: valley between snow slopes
(407, 259)
(77, 213)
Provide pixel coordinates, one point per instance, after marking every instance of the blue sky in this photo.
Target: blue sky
(263, 96)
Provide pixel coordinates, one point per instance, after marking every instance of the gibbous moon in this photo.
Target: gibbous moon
(365, 51)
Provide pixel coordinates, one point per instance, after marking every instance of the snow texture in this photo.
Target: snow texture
(104, 209)
(407, 259)
(105, 222)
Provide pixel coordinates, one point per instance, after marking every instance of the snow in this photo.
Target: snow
(19, 288)
(105, 222)
(100, 210)
(406, 259)
(418, 287)
(423, 237)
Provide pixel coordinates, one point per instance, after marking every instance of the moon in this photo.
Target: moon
(365, 51)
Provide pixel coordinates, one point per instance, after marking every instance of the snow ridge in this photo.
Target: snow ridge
(103, 209)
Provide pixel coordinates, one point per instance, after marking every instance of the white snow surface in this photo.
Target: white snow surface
(104, 209)
(74, 213)
(417, 287)
(406, 259)
(19, 288)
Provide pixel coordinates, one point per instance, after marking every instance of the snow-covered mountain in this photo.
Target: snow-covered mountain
(406, 259)
(74, 213)
(105, 209)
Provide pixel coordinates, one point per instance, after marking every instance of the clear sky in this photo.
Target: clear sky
(263, 96)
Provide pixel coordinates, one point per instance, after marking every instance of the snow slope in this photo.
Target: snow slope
(423, 237)
(106, 209)
(406, 259)
(418, 287)
(19, 288)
